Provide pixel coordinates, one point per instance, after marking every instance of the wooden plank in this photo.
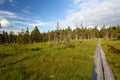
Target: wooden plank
(107, 70)
(102, 71)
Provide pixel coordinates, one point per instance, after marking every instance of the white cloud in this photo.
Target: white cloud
(94, 12)
(5, 23)
(2, 1)
(19, 22)
(43, 26)
(33, 23)
(7, 19)
(11, 1)
(25, 11)
(7, 14)
(13, 5)
(12, 15)
(76, 2)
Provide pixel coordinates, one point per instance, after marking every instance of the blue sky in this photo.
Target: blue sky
(34, 12)
(19, 14)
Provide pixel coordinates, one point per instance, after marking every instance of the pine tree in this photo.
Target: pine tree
(35, 35)
(12, 37)
(19, 38)
(26, 37)
(1, 38)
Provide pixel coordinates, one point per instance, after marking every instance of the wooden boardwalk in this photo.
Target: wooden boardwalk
(101, 71)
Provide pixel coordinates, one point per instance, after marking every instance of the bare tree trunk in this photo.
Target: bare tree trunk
(106, 34)
(48, 38)
(57, 35)
(76, 38)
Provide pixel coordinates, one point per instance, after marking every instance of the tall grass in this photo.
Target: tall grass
(38, 61)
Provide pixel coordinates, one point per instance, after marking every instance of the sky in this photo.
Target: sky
(16, 15)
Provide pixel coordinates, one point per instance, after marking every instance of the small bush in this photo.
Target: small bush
(70, 45)
(63, 46)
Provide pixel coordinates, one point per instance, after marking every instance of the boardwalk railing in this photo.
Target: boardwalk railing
(102, 71)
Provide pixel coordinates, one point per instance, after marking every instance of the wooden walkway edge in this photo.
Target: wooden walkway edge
(101, 70)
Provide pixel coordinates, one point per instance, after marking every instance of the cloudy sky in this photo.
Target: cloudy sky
(20, 14)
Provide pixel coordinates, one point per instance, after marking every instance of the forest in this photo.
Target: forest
(60, 35)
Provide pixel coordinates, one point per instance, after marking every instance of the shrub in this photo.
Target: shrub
(63, 46)
(70, 45)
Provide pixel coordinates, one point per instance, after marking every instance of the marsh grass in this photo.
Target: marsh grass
(112, 50)
(38, 61)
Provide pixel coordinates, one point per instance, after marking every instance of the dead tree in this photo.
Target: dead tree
(0, 25)
(82, 29)
(76, 34)
(49, 38)
(106, 33)
(69, 33)
(57, 34)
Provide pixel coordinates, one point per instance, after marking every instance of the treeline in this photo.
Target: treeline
(60, 35)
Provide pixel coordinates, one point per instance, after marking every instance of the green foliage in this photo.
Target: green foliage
(103, 32)
(12, 37)
(35, 35)
(63, 46)
(1, 38)
(26, 37)
(70, 45)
